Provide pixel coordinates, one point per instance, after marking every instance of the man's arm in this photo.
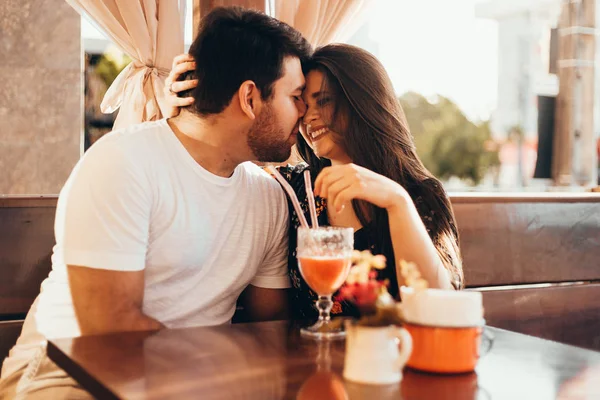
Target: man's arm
(261, 304)
(109, 301)
(267, 295)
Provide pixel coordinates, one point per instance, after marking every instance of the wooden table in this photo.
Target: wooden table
(271, 361)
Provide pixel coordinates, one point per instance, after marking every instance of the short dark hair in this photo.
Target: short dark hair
(234, 45)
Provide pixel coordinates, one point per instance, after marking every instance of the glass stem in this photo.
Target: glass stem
(324, 357)
(324, 305)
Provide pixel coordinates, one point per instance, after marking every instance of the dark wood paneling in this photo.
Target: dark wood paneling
(535, 242)
(502, 241)
(9, 332)
(271, 361)
(566, 314)
(203, 7)
(28, 201)
(543, 197)
(26, 241)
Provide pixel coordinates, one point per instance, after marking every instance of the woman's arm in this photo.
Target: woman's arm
(410, 240)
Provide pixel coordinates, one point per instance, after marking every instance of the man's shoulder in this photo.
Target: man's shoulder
(123, 153)
(134, 147)
(261, 181)
(146, 133)
(260, 176)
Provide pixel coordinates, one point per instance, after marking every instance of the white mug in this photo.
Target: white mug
(376, 355)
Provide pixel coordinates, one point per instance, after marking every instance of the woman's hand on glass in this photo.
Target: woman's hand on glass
(341, 184)
(181, 64)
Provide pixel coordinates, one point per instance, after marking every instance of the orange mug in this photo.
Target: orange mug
(446, 350)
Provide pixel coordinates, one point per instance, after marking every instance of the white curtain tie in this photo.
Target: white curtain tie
(133, 78)
(158, 71)
(151, 32)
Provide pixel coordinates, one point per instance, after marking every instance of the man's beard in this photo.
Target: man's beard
(267, 140)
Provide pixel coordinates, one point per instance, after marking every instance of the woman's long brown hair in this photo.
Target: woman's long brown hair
(376, 136)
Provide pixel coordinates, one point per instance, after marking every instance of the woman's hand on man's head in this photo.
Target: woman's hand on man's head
(181, 64)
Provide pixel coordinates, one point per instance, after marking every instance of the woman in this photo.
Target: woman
(367, 175)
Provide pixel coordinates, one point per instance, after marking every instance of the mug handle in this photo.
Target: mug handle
(488, 337)
(405, 346)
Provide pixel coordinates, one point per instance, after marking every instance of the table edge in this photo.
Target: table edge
(80, 375)
(495, 329)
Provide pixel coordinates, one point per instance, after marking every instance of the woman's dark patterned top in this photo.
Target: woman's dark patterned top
(303, 298)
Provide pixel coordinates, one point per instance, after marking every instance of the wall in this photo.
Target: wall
(41, 117)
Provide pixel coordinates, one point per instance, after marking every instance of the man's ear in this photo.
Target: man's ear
(250, 100)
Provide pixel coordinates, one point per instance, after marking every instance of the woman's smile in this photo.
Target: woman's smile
(317, 132)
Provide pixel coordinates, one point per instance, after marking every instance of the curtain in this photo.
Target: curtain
(151, 33)
(323, 21)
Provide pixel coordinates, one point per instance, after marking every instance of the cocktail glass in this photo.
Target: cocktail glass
(324, 258)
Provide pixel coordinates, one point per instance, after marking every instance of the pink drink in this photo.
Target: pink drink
(324, 275)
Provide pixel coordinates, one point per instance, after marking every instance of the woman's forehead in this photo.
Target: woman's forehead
(314, 81)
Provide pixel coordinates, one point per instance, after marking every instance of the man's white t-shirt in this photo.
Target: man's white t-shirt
(138, 201)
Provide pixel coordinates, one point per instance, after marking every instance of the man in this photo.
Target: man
(165, 223)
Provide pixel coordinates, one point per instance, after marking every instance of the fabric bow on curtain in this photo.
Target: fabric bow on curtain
(151, 33)
(323, 21)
